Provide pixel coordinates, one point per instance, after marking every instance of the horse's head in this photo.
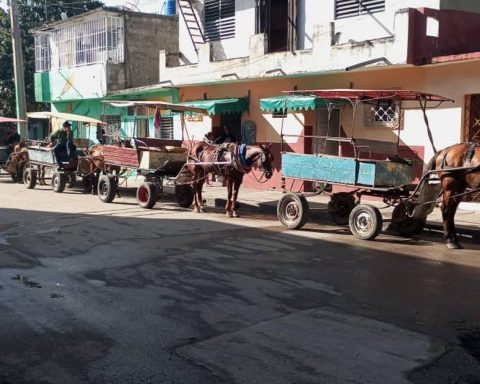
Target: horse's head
(265, 160)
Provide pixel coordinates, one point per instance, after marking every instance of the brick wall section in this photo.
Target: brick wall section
(145, 36)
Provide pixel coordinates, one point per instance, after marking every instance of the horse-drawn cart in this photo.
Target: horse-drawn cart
(43, 166)
(12, 157)
(158, 161)
(389, 179)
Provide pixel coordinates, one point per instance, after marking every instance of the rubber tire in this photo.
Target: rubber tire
(147, 195)
(340, 206)
(30, 178)
(107, 188)
(184, 195)
(404, 225)
(292, 210)
(365, 222)
(59, 181)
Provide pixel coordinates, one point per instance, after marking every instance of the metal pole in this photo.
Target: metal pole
(18, 69)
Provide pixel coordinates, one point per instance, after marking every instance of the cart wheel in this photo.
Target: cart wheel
(107, 188)
(340, 206)
(365, 222)
(147, 195)
(59, 181)
(405, 225)
(292, 210)
(184, 195)
(30, 178)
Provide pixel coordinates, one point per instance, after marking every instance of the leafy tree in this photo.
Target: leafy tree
(32, 14)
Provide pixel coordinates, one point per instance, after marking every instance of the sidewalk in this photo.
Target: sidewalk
(467, 221)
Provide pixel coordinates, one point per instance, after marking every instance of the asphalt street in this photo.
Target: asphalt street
(112, 293)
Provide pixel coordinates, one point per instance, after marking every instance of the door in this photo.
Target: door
(233, 121)
(472, 129)
(278, 20)
(328, 127)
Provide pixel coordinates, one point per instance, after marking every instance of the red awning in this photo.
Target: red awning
(10, 120)
(372, 94)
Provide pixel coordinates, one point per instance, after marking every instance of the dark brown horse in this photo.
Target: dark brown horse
(458, 168)
(231, 161)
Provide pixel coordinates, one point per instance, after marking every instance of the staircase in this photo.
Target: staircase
(191, 21)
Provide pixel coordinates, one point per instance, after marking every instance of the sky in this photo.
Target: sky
(147, 6)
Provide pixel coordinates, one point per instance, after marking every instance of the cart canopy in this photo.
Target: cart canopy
(64, 116)
(10, 120)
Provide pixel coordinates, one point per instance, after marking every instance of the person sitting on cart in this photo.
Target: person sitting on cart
(12, 138)
(64, 149)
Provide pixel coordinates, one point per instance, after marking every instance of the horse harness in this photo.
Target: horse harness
(467, 168)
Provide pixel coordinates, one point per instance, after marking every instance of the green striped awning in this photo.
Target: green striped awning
(220, 106)
(291, 103)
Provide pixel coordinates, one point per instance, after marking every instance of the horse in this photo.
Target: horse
(232, 161)
(458, 168)
(16, 161)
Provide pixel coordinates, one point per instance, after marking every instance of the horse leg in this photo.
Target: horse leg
(236, 188)
(449, 207)
(228, 206)
(196, 204)
(200, 183)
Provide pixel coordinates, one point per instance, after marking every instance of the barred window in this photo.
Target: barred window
(349, 8)
(97, 40)
(219, 19)
(166, 128)
(382, 114)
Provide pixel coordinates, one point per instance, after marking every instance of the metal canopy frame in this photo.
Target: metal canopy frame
(358, 96)
(372, 94)
(162, 105)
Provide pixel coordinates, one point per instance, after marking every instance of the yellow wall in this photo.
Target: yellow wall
(450, 80)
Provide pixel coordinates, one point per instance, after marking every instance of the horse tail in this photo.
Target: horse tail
(432, 163)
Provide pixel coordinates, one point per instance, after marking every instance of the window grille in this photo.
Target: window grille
(219, 19)
(279, 114)
(97, 40)
(112, 127)
(349, 8)
(387, 115)
(166, 128)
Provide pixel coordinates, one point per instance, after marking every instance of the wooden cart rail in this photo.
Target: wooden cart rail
(121, 156)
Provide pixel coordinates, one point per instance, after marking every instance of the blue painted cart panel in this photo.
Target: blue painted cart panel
(346, 170)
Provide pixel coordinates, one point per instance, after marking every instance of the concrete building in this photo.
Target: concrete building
(258, 49)
(82, 59)
(232, 54)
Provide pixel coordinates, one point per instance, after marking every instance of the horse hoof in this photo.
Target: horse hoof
(235, 214)
(196, 210)
(229, 214)
(451, 245)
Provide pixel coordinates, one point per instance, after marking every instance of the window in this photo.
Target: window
(382, 114)
(279, 114)
(97, 40)
(349, 8)
(219, 18)
(166, 128)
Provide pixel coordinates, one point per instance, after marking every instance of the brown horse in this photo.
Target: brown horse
(231, 161)
(458, 168)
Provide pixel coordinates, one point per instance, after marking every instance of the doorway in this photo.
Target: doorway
(278, 20)
(329, 127)
(472, 130)
(233, 121)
